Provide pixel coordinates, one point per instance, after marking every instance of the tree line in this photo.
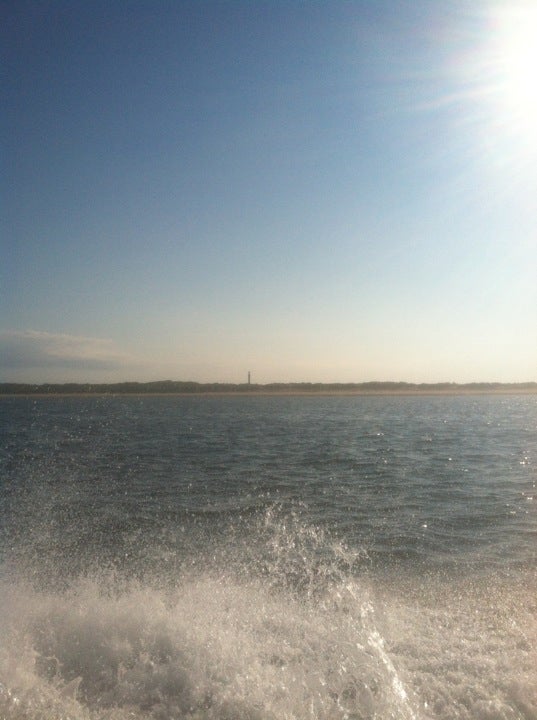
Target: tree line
(176, 387)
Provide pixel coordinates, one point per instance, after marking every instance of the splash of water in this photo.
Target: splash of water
(283, 631)
(282, 623)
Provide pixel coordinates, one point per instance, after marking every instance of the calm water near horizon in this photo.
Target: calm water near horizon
(268, 557)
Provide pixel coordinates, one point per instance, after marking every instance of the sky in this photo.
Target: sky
(314, 191)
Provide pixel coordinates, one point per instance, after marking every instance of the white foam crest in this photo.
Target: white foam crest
(278, 624)
(469, 645)
(213, 649)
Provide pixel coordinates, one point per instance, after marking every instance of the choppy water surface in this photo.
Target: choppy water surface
(234, 558)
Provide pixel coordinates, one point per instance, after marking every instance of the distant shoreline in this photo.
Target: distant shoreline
(290, 394)
(191, 389)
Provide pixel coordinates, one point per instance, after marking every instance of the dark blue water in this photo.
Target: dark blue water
(269, 557)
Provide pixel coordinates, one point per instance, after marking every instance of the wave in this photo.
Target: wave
(279, 623)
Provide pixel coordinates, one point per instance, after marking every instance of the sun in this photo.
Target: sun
(497, 77)
(514, 67)
(517, 61)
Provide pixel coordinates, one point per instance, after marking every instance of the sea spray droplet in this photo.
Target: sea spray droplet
(218, 644)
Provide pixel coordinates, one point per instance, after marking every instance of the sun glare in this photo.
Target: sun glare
(517, 64)
(498, 75)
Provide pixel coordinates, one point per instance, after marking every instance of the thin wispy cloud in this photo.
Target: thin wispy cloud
(27, 349)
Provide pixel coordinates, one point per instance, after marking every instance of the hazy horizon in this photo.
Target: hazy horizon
(321, 192)
(372, 384)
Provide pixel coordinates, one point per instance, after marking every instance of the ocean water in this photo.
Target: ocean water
(256, 558)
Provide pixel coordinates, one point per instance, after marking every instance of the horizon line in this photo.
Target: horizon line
(194, 387)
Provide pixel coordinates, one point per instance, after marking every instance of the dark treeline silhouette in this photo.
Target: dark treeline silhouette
(175, 387)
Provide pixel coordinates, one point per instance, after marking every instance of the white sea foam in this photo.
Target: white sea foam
(216, 647)
(212, 648)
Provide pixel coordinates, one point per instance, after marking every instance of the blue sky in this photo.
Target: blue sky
(317, 191)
